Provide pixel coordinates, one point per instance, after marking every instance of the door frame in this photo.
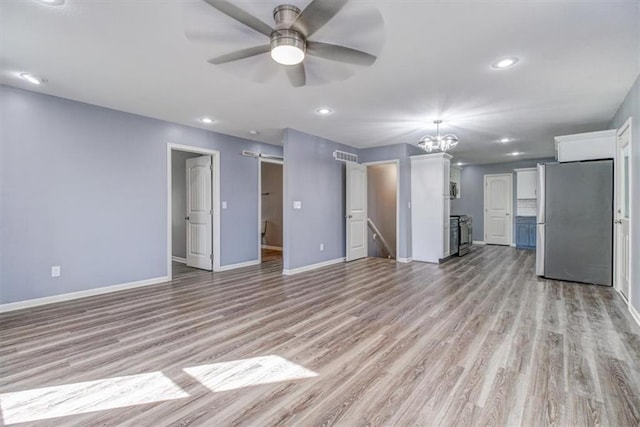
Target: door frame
(215, 200)
(278, 162)
(484, 206)
(626, 126)
(397, 163)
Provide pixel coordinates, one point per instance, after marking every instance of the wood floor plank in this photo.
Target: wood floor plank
(479, 340)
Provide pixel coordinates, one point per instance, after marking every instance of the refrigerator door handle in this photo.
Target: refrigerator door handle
(540, 238)
(540, 193)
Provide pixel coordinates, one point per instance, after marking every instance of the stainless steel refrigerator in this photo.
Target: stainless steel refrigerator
(575, 222)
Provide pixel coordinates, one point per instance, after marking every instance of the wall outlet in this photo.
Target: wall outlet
(55, 271)
(297, 204)
(321, 246)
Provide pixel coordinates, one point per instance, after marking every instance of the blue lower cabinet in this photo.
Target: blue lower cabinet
(526, 232)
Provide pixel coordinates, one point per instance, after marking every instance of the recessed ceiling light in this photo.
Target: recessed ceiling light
(504, 140)
(53, 2)
(459, 163)
(32, 79)
(505, 63)
(515, 153)
(206, 120)
(324, 111)
(254, 132)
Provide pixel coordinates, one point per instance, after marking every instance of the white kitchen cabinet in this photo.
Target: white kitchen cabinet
(586, 146)
(430, 207)
(526, 183)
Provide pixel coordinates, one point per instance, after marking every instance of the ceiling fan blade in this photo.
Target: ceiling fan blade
(297, 75)
(340, 53)
(316, 14)
(241, 16)
(240, 54)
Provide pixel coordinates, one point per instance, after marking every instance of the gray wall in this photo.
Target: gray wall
(84, 187)
(272, 203)
(179, 202)
(631, 108)
(382, 192)
(471, 201)
(314, 177)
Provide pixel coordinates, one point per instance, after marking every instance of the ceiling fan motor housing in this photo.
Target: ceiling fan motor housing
(285, 15)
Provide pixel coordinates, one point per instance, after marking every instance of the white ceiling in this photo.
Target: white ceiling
(578, 60)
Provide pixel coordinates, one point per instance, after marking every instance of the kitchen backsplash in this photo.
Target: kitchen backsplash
(526, 207)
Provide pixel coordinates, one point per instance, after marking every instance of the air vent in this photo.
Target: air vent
(343, 156)
(250, 153)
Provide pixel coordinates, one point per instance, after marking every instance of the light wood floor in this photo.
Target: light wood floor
(269, 255)
(476, 341)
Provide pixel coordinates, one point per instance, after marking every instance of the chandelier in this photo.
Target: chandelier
(438, 143)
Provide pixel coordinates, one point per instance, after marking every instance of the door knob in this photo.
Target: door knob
(186, 218)
(349, 216)
(617, 221)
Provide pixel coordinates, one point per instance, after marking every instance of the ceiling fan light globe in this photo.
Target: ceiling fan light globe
(287, 47)
(287, 55)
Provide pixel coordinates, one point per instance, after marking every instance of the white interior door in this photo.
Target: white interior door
(498, 204)
(199, 213)
(356, 214)
(622, 264)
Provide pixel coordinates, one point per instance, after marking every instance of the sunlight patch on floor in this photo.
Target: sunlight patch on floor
(79, 398)
(248, 372)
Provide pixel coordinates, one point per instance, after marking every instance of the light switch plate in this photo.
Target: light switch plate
(55, 271)
(224, 205)
(297, 204)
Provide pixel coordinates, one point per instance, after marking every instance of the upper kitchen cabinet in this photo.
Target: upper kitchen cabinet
(526, 183)
(586, 146)
(430, 177)
(455, 179)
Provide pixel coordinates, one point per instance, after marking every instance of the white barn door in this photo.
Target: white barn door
(498, 204)
(199, 213)
(356, 215)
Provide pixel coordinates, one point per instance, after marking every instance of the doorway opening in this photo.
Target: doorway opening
(622, 215)
(498, 206)
(270, 210)
(193, 237)
(382, 209)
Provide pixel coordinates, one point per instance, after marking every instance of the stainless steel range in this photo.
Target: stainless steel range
(464, 232)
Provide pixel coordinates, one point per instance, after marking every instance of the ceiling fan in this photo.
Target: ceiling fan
(289, 38)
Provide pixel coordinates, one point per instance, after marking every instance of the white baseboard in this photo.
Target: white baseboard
(273, 248)
(80, 294)
(404, 260)
(312, 266)
(178, 259)
(239, 265)
(478, 242)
